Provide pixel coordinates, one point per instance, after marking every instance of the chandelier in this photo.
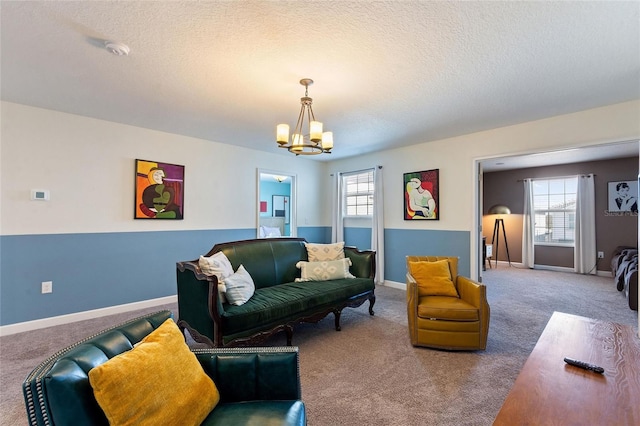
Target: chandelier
(315, 141)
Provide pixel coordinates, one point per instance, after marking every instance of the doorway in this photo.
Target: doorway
(276, 212)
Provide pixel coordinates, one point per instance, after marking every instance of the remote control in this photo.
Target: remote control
(585, 365)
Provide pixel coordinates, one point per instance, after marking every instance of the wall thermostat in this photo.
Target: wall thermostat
(40, 194)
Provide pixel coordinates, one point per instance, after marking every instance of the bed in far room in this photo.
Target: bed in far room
(271, 227)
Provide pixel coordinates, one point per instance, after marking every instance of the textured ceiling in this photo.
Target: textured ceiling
(387, 73)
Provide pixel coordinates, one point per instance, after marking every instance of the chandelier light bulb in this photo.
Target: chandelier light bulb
(315, 131)
(327, 140)
(297, 142)
(282, 134)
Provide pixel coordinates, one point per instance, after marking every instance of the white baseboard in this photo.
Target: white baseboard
(395, 284)
(80, 316)
(549, 268)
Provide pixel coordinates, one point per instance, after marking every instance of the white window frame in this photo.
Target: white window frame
(566, 208)
(364, 187)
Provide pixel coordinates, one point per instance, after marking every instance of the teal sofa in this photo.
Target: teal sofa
(278, 303)
(256, 385)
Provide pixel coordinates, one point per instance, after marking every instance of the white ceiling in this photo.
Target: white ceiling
(387, 73)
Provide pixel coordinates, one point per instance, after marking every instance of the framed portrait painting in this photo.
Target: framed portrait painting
(623, 196)
(421, 195)
(159, 190)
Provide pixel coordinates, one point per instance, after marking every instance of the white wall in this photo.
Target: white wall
(89, 165)
(456, 158)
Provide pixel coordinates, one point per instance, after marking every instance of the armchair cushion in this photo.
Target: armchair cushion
(258, 413)
(433, 278)
(159, 381)
(446, 308)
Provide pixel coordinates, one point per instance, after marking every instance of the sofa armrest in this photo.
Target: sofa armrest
(249, 374)
(412, 308)
(199, 307)
(412, 290)
(471, 292)
(363, 263)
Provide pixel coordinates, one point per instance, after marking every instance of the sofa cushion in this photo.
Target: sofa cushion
(286, 301)
(324, 252)
(323, 271)
(269, 262)
(240, 287)
(433, 278)
(159, 381)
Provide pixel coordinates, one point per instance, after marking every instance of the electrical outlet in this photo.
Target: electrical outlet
(47, 287)
(600, 255)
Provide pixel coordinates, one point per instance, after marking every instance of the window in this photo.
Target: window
(554, 205)
(358, 193)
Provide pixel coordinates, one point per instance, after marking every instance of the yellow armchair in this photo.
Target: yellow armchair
(438, 318)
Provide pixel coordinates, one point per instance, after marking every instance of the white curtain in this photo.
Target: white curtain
(585, 240)
(337, 222)
(527, 225)
(377, 225)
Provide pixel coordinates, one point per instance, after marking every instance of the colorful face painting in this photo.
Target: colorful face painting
(159, 190)
(421, 195)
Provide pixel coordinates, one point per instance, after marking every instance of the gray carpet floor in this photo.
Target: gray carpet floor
(368, 373)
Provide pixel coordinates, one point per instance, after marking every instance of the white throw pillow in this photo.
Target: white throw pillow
(240, 287)
(217, 264)
(324, 271)
(325, 252)
(270, 232)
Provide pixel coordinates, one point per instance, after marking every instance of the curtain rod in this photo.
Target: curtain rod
(358, 171)
(559, 177)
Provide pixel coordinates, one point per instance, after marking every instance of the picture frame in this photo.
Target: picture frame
(280, 207)
(623, 196)
(422, 195)
(159, 190)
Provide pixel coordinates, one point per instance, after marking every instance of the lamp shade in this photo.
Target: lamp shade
(499, 209)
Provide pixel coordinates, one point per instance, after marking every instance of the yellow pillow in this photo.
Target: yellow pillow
(160, 381)
(433, 278)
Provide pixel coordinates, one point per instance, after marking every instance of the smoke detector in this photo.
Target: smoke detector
(118, 49)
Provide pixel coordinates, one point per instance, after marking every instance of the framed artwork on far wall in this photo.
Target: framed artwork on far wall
(280, 207)
(422, 195)
(623, 196)
(159, 190)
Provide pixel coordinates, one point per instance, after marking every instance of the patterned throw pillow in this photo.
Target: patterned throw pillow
(325, 252)
(324, 271)
(218, 264)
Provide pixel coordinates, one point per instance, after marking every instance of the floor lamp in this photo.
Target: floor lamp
(499, 209)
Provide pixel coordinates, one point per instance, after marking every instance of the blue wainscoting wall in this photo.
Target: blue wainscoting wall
(400, 243)
(99, 270)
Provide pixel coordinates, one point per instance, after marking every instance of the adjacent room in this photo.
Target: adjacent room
(372, 204)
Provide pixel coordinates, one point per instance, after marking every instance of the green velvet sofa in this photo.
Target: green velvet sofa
(256, 385)
(278, 303)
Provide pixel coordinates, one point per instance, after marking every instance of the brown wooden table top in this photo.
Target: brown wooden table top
(550, 392)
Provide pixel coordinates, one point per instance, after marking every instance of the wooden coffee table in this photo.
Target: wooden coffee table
(550, 392)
